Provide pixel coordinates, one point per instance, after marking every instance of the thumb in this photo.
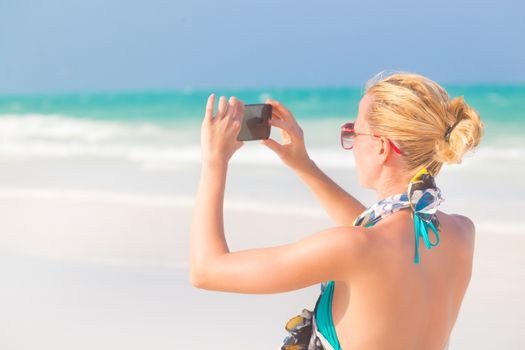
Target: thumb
(272, 144)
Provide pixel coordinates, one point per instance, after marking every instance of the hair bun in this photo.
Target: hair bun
(462, 132)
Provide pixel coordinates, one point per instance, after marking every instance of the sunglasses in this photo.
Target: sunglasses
(348, 135)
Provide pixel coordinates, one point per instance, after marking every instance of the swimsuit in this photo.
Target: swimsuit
(323, 315)
(315, 330)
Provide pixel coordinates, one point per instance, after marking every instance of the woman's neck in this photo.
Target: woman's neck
(391, 189)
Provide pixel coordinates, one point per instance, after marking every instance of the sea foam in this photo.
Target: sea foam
(156, 146)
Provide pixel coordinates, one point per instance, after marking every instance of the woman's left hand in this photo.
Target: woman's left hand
(219, 132)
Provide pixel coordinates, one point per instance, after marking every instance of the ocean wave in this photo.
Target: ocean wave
(158, 147)
(63, 128)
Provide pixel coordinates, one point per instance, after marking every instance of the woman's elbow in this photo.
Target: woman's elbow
(196, 277)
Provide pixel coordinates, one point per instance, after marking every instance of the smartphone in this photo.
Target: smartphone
(255, 124)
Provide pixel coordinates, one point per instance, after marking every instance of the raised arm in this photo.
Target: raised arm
(342, 207)
(331, 254)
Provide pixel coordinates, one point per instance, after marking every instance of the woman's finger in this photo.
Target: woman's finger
(223, 108)
(240, 111)
(281, 110)
(237, 108)
(232, 108)
(276, 114)
(208, 114)
(233, 112)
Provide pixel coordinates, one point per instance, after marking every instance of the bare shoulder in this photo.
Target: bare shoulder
(464, 230)
(352, 239)
(465, 234)
(466, 224)
(460, 222)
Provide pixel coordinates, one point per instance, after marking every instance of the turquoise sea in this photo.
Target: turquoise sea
(164, 126)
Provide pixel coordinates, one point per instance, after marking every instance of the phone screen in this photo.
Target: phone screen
(255, 124)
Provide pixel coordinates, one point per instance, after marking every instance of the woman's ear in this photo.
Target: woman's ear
(383, 150)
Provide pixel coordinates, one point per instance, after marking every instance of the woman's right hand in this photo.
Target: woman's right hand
(293, 151)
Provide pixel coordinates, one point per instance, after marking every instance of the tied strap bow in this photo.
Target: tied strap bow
(423, 197)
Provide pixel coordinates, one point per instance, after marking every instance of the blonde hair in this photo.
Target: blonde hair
(416, 113)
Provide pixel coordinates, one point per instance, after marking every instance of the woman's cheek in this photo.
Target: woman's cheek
(363, 165)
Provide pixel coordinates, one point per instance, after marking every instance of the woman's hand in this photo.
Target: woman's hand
(219, 133)
(293, 151)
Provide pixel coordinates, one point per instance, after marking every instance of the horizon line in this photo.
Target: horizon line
(191, 90)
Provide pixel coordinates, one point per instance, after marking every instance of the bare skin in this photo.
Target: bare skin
(382, 300)
(393, 303)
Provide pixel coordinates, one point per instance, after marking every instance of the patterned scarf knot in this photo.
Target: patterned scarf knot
(422, 196)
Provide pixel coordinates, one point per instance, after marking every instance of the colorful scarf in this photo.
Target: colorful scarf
(423, 197)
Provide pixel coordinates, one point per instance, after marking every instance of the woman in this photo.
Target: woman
(375, 291)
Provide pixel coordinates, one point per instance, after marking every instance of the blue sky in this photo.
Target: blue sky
(73, 45)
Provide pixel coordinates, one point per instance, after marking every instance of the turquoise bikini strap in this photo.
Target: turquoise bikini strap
(421, 229)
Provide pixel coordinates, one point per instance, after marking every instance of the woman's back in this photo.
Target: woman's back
(395, 304)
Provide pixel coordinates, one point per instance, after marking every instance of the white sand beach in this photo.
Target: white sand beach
(94, 256)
